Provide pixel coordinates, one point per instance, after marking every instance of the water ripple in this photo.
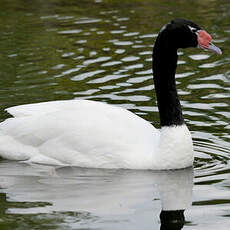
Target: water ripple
(107, 78)
(86, 21)
(98, 59)
(85, 75)
(199, 56)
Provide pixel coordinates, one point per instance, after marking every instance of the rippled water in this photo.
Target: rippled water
(101, 50)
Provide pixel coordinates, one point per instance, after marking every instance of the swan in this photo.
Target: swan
(93, 134)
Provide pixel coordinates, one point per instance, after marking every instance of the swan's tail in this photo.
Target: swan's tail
(13, 150)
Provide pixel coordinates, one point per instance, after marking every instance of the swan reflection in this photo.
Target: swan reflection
(175, 189)
(108, 199)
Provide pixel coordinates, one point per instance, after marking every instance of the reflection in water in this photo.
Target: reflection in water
(175, 188)
(172, 220)
(94, 198)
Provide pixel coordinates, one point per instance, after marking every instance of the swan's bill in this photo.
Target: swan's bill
(204, 42)
(214, 48)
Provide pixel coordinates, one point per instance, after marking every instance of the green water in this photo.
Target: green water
(101, 50)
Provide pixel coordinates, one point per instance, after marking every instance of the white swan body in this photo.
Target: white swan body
(91, 134)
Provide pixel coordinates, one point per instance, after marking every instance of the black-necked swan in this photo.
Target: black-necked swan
(94, 134)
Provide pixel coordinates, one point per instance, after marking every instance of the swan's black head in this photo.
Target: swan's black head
(181, 33)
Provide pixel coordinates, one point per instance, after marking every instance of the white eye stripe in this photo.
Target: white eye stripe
(194, 30)
(163, 28)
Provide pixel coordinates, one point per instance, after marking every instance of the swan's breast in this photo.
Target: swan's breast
(176, 147)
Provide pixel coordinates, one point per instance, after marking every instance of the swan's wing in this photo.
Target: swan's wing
(45, 107)
(83, 133)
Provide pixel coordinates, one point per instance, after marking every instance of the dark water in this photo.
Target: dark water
(101, 50)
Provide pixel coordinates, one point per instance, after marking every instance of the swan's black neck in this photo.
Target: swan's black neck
(164, 70)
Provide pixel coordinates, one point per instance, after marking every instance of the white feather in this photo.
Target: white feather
(91, 134)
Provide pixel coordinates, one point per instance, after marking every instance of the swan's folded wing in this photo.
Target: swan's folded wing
(83, 133)
(42, 108)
